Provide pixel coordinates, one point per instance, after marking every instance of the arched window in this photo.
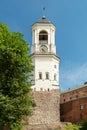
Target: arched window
(43, 37)
(40, 75)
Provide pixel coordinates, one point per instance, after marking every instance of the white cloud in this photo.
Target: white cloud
(72, 77)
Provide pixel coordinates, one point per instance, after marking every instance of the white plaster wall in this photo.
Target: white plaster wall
(45, 64)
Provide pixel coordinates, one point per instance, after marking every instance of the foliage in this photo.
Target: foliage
(71, 127)
(15, 87)
(84, 126)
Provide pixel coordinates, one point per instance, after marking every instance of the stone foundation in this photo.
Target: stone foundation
(52, 126)
(47, 110)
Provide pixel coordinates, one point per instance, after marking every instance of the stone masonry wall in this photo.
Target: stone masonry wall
(47, 108)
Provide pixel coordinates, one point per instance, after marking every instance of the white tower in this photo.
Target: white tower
(43, 54)
(45, 80)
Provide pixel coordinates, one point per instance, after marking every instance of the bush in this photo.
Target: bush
(84, 126)
(71, 127)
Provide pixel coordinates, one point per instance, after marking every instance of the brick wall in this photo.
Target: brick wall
(73, 94)
(74, 111)
(73, 105)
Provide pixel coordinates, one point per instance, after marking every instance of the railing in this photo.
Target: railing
(43, 42)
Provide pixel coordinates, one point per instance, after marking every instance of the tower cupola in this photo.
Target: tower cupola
(43, 37)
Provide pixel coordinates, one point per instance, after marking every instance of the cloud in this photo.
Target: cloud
(72, 77)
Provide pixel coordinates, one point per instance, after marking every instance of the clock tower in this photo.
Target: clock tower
(45, 79)
(43, 53)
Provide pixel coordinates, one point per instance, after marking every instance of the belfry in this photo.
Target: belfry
(45, 80)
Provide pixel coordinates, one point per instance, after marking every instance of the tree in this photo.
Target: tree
(15, 86)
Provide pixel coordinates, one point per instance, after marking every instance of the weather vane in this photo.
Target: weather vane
(44, 8)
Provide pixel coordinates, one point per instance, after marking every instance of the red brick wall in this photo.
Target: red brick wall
(73, 104)
(73, 94)
(71, 111)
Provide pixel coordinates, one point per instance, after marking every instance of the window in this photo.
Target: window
(55, 77)
(73, 92)
(55, 66)
(47, 75)
(48, 89)
(64, 100)
(81, 107)
(70, 98)
(76, 96)
(41, 89)
(40, 75)
(81, 116)
(43, 36)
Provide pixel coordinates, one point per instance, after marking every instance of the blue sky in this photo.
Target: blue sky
(70, 19)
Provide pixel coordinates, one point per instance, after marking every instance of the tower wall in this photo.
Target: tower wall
(47, 110)
(45, 63)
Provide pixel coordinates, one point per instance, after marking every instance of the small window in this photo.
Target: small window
(64, 100)
(41, 89)
(55, 77)
(63, 95)
(73, 92)
(81, 116)
(40, 75)
(54, 66)
(47, 75)
(48, 89)
(76, 96)
(70, 98)
(81, 107)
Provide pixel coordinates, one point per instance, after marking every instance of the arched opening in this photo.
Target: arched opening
(43, 37)
(40, 75)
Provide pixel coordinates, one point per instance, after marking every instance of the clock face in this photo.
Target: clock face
(43, 49)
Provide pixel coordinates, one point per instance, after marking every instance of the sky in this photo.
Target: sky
(70, 19)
